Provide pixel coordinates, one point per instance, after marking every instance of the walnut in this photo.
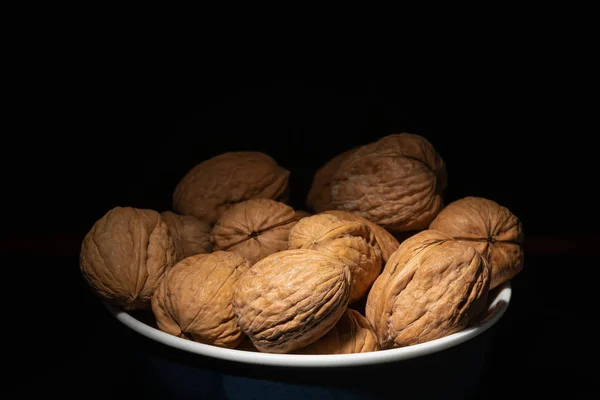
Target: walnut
(387, 242)
(302, 214)
(194, 299)
(290, 299)
(254, 228)
(352, 334)
(402, 236)
(319, 195)
(431, 287)
(352, 242)
(491, 229)
(396, 182)
(214, 185)
(190, 235)
(125, 254)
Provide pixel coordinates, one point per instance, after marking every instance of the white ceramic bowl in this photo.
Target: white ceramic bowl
(498, 302)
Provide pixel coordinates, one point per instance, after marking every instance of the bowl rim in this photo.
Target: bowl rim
(497, 307)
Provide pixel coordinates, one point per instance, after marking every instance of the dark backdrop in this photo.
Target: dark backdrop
(518, 140)
(508, 140)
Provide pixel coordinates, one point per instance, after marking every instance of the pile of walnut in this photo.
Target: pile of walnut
(233, 265)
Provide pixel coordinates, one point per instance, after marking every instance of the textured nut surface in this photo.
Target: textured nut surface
(125, 254)
(396, 182)
(190, 235)
(290, 299)
(254, 228)
(351, 242)
(387, 242)
(194, 299)
(212, 186)
(302, 214)
(319, 195)
(352, 334)
(431, 287)
(495, 232)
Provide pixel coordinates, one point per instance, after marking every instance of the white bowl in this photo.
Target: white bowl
(498, 300)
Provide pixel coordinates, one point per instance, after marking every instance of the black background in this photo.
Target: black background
(517, 141)
(514, 139)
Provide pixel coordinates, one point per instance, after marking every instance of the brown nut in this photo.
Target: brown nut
(302, 214)
(212, 186)
(397, 182)
(319, 195)
(290, 299)
(387, 242)
(190, 235)
(491, 229)
(402, 236)
(125, 254)
(431, 287)
(351, 242)
(254, 228)
(194, 299)
(352, 334)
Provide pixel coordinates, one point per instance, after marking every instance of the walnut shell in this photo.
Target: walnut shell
(402, 236)
(397, 182)
(351, 242)
(491, 229)
(194, 299)
(431, 287)
(254, 228)
(352, 334)
(319, 195)
(290, 299)
(125, 254)
(387, 242)
(190, 235)
(214, 185)
(302, 214)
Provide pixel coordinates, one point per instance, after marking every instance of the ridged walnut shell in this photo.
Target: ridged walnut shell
(254, 228)
(214, 185)
(396, 182)
(431, 287)
(319, 195)
(387, 242)
(351, 242)
(190, 235)
(125, 254)
(352, 334)
(491, 229)
(290, 299)
(194, 299)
